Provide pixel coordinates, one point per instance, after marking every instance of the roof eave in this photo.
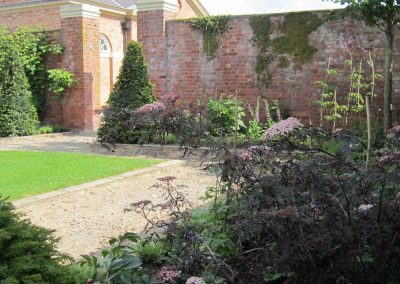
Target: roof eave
(199, 8)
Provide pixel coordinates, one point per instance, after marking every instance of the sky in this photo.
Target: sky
(242, 7)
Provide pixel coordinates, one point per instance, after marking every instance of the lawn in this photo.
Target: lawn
(25, 174)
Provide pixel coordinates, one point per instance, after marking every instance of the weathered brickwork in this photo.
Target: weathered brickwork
(151, 33)
(173, 51)
(95, 73)
(232, 70)
(81, 105)
(48, 18)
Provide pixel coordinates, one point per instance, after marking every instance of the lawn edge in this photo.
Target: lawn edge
(103, 181)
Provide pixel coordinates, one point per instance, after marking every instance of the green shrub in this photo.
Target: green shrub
(45, 129)
(59, 81)
(34, 46)
(17, 113)
(131, 91)
(28, 253)
(224, 115)
(170, 139)
(254, 130)
(118, 264)
(151, 252)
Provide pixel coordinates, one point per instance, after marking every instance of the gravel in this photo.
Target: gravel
(85, 220)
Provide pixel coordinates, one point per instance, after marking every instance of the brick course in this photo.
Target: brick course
(190, 72)
(81, 105)
(177, 64)
(48, 18)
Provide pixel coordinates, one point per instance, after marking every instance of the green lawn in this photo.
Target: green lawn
(24, 174)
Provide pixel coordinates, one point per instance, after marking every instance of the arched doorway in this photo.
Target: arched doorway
(105, 69)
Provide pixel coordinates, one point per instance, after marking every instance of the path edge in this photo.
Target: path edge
(103, 181)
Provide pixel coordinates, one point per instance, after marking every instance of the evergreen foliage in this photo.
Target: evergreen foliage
(28, 253)
(131, 91)
(17, 113)
(34, 46)
(132, 88)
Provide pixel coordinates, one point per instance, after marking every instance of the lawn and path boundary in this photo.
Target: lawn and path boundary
(28, 173)
(85, 217)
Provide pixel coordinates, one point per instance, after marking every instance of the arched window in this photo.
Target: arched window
(105, 46)
(106, 65)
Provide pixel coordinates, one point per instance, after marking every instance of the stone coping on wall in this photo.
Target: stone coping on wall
(277, 14)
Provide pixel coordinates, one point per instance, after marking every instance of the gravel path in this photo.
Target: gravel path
(85, 220)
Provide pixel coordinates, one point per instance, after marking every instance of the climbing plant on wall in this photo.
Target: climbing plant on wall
(262, 29)
(293, 44)
(297, 28)
(34, 46)
(212, 28)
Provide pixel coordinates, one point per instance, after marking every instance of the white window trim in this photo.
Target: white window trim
(105, 53)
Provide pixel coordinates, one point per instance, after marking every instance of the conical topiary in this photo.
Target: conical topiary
(131, 91)
(18, 115)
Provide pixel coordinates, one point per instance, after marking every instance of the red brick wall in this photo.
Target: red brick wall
(151, 33)
(189, 72)
(81, 105)
(48, 18)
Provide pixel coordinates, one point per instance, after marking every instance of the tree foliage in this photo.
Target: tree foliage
(385, 15)
(34, 45)
(131, 91)
(28, 253)
(17, 113)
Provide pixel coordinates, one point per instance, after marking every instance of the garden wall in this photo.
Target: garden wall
(193, 74)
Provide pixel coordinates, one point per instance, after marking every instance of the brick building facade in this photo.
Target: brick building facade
(95, 33)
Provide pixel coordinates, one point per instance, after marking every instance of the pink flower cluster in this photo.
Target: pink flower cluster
(195, 280)
(283, 127)
(168, 274)
(253, 152)
(171, 98)
(392, 157)
(395, 130)
(154, 107)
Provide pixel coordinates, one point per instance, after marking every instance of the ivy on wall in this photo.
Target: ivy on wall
(297, 27)
(212, 28)
(262, 29)
(293, 44)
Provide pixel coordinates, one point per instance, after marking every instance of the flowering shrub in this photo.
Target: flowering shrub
(171, 98)
(282, 128)
(168, 274)
(195, 280)
(292, 205)
(150, 108)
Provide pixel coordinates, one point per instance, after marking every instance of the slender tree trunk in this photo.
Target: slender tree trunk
(387, 95)
(369, 127)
